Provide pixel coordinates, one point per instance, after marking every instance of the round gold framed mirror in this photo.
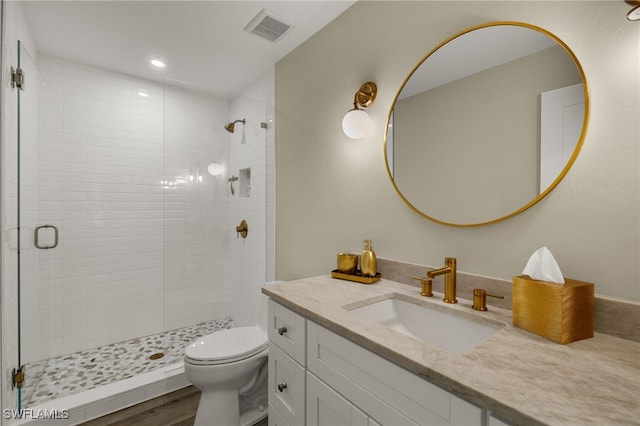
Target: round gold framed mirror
(486, 124)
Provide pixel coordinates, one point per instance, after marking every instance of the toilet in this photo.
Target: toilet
(230, 368)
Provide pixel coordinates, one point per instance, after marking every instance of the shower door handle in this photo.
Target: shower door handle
(36, 237)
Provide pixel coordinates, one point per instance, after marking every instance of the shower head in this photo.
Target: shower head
(230, 127)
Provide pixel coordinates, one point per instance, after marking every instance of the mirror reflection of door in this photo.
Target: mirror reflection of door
(561, 117)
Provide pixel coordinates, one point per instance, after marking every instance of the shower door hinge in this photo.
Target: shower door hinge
(17, 78)
(17, 377)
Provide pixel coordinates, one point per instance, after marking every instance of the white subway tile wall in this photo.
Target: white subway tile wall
(143, 228)
(249, 148)
(196, 213)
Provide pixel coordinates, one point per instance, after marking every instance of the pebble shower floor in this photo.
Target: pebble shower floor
(69, 374)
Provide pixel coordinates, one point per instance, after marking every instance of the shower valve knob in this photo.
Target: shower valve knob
(243, 229)
(282, 330)
(282, 386)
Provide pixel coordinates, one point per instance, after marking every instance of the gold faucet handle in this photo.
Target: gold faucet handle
(427, 286)
(480, 299)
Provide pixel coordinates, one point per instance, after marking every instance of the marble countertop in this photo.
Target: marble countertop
(521, 377)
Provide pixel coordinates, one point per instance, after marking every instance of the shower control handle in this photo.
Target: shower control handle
(282, 330)
(282, 386)
(243, 229)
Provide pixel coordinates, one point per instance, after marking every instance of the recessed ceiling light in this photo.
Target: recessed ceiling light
(157, 63)
(143, 94)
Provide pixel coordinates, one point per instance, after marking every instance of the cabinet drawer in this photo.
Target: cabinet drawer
(286, 386)
(386, 392)
(287, 330)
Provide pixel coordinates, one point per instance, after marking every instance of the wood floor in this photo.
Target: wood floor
(174, 409)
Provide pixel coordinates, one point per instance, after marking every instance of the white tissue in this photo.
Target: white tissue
(543, 267)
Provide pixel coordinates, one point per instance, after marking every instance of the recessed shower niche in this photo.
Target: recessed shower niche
(244, 189)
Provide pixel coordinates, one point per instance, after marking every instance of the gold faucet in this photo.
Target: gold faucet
(449, 272)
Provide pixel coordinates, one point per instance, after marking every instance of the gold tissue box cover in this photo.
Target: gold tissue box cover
(562, 313)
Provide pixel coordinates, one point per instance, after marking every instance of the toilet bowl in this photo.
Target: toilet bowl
(225, 365)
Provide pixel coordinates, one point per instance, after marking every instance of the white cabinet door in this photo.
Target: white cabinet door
(325, 407)
(286, 386)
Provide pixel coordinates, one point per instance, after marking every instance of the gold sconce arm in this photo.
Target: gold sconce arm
(366, 95)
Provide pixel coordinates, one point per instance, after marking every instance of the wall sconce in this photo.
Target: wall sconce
(356, 123)
(634, 14)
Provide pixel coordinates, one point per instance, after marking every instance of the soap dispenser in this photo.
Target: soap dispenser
(368, 262)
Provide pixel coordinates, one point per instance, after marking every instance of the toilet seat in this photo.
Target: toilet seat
(226, 346)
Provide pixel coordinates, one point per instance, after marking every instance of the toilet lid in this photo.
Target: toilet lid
(227, 345)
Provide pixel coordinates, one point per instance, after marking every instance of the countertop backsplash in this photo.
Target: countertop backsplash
(616, 317)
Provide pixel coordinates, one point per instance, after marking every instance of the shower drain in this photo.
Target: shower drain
(157, 355)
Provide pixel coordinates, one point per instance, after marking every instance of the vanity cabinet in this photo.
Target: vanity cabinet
(333, 381)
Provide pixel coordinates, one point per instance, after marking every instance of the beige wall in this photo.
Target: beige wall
(333, 192)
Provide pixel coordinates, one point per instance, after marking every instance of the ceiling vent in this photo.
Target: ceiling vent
(268, 26)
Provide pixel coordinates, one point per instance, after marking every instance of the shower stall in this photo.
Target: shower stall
(119, 246)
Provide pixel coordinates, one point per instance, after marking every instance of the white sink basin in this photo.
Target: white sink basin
(446, 331)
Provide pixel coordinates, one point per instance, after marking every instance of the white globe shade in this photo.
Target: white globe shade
(215, 169)
(356, 124)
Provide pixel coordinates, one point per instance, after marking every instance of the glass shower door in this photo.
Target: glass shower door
(11, 235)
(91, 213)
(38, 230)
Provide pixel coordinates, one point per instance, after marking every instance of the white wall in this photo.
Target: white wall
(196, 213)
(334, 192)
(252, 147)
